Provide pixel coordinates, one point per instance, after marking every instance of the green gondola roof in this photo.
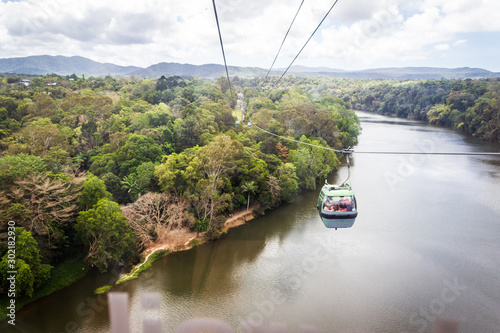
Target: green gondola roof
(336, 191)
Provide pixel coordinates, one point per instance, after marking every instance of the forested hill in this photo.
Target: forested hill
(471, 106)
(414, 73)
(41, 65)
(204, 71)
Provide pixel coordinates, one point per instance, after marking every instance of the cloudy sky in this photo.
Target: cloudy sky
(358, 34)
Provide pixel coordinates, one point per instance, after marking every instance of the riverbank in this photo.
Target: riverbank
(61, 276)
(67, 273)
(181, 240)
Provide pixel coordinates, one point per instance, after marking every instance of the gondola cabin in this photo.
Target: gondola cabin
(337, 206)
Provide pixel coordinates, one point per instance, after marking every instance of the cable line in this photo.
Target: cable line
(304, 143)
(283, 42)
(222, 47)
(424, 153)
(350, 151)
(307, 41)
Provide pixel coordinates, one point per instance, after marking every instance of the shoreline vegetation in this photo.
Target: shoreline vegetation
(182, 240)
(101, 170)
(65, 274)
(62, 276)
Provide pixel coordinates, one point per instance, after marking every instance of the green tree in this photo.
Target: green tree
(18, 167)
(105, 233)
(115, 187)
(311, 163)
(31, 273)
(179, 172)
(131, 185)
(41, 136)
(218, 159)
(249, 188)
(43, 106)
(103, 163)
(145, 177)
(287, 181)
(93, 190)
(439, 114)
(137, 150)
(164, 83)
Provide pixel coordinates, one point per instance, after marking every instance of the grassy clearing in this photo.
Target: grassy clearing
(102, 290)
(143, 265)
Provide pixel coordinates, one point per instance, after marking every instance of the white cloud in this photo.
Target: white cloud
(357, 33)
(406, 35)
(442, 47)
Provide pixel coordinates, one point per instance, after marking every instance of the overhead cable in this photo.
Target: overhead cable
(350, 151)
(289, 139)
(283, 42)
(222, 47)
(424, 153)
(282, 75)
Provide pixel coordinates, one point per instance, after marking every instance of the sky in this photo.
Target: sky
(357, 34)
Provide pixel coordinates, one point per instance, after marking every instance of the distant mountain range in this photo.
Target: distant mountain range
(40, 65)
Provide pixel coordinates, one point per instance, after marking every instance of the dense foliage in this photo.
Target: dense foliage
(168, 150)
(31, 273)
(471, 106)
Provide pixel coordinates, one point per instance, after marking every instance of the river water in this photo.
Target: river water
(426, 243)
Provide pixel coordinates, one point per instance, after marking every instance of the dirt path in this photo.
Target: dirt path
(180, 240)
(240, 217)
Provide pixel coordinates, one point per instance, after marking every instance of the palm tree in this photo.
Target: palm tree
(249, 188)
(130, 183)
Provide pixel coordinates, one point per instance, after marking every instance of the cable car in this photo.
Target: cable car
(337, 206)
(237, 123)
